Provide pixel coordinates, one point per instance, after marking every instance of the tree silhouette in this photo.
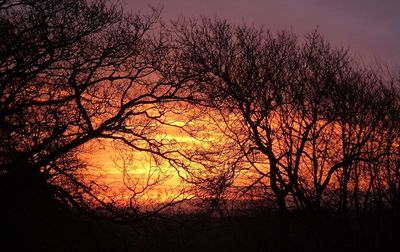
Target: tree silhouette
(273, 118)
(305, 117)
(71, 72)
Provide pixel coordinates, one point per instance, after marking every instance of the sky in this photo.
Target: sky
(369, 28)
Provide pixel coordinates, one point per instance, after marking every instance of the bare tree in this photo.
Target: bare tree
(301, 114)
(72, 72)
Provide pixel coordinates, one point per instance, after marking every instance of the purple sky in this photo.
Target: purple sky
(370, 28)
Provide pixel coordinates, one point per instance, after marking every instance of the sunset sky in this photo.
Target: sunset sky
(200, 125)
(370, 28)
